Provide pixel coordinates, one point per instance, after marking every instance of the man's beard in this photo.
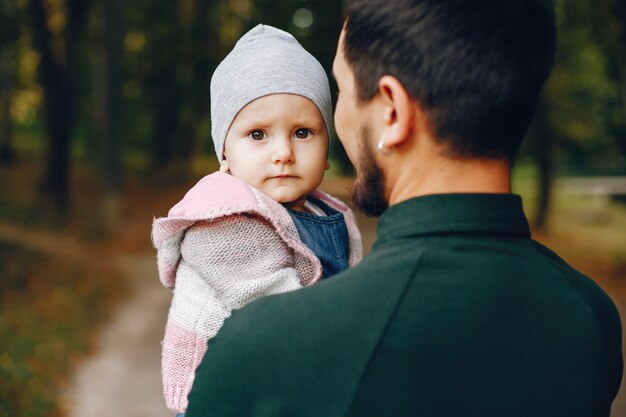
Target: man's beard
(367, 193)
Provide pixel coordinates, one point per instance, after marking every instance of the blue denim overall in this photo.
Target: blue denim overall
(326, 236)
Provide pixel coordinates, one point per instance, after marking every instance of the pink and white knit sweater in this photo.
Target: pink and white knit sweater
(224, 245)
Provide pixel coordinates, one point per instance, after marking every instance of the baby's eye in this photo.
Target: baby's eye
(302, 133)
(257, 135)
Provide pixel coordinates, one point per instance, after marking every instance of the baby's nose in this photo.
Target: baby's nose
(282, 151)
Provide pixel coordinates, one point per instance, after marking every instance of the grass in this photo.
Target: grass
(49, 310)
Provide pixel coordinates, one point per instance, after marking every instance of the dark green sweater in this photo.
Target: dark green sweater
(456, 312)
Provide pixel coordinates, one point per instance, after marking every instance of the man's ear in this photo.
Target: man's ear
(399, 111)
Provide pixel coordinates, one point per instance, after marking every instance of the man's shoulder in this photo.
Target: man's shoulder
(335, 321)
(585, 286)
(323, 334)
(330, 303)
(309, 347)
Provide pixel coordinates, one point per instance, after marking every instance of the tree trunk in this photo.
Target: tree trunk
(199, 58)
(166, 127)
(58, 113)
(114, 33)
(8, 70)
(7, 153)
(112, 171)
(9, 35)
(165, 79)
(95, 130)
(57, 79)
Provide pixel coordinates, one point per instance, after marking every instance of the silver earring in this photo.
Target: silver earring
(382, 149)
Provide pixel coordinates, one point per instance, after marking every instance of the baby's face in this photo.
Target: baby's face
(278, 144)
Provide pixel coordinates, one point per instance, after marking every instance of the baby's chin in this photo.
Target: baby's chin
(289, 200)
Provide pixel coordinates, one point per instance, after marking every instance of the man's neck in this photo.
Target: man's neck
(441, 175)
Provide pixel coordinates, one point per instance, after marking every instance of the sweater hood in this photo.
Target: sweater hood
(218, 195)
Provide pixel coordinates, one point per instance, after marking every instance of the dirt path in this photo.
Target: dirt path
(122, 377)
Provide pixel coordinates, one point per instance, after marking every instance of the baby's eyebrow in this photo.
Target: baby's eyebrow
(254, 120)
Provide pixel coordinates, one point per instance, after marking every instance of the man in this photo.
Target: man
(456, 311)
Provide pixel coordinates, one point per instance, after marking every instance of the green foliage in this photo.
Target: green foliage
(48, 310)
(583, 97)
(170, 50)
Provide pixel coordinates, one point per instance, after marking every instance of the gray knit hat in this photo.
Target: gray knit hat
(265, 61)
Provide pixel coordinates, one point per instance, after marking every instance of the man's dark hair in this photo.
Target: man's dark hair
(475, 66)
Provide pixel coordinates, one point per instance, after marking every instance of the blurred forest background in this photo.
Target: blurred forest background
(104, 122)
